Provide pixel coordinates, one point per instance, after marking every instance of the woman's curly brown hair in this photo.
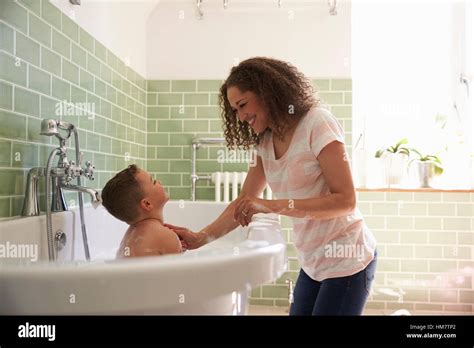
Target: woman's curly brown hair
(284, 91)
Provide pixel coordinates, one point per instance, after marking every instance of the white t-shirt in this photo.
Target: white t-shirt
(327, 248)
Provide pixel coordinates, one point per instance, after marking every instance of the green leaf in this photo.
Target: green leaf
(403, 141)
(404, 150)
(431, 157)
(379, 153)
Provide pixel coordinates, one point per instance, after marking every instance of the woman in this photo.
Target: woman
(269, 104)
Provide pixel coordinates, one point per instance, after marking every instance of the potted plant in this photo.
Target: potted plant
(395, 159)
(426, 168)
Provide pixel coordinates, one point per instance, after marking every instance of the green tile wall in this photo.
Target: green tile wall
(425, 252)
(425, 246)
(46, 59)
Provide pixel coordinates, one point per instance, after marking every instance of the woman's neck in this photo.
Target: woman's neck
(288, 133)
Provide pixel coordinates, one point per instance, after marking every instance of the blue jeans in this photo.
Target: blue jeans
(333, 296)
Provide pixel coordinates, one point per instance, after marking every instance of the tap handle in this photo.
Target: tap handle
(81, 158)
(71, 170)
(89, 171)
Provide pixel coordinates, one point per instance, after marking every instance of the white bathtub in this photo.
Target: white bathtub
(214, 279)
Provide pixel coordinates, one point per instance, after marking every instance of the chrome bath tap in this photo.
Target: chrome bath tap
(60, 183)
(58, 180)
(61, 176)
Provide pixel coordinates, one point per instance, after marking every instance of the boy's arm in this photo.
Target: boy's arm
(254, 185)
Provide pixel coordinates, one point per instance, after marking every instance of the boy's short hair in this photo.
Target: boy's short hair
(122, 194)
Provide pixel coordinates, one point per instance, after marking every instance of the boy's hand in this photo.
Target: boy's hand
(189, 239)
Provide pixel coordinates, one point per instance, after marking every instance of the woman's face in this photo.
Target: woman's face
(248, 109)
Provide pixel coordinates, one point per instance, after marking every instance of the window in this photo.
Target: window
(407, 59)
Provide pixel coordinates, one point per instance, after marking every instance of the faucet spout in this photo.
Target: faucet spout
(31, 205)
(95, 195)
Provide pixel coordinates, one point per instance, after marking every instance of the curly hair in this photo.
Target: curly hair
(122, 194)
(284, 92)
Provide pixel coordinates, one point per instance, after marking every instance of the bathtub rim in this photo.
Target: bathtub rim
(145, 262)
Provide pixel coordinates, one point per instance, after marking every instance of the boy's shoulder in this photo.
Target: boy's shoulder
(152, 232)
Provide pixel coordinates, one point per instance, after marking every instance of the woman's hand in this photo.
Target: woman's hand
(247, 206)
(189, 239)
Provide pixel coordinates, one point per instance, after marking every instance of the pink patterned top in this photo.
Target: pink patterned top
(327, 248)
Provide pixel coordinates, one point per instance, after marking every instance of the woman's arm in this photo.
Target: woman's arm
(342, 199)
(254, 184)
(340, 202)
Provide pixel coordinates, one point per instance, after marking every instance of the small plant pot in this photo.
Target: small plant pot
(396, 169)
(425, 172)
(376, 173)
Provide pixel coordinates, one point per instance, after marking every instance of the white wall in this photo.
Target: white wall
(179, 46)
(164, 39)
(118, 24)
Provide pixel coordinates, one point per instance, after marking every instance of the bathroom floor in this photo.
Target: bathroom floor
(266, 310)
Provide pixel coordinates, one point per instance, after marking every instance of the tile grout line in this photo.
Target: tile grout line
(70, 85)
(40, 145)
(70, 49)
(54, 97)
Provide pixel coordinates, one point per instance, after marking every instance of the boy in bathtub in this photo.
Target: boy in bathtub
(134, 197)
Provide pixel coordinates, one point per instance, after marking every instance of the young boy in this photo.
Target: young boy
(134, 197)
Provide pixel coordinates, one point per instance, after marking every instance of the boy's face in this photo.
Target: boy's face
(152, 189)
